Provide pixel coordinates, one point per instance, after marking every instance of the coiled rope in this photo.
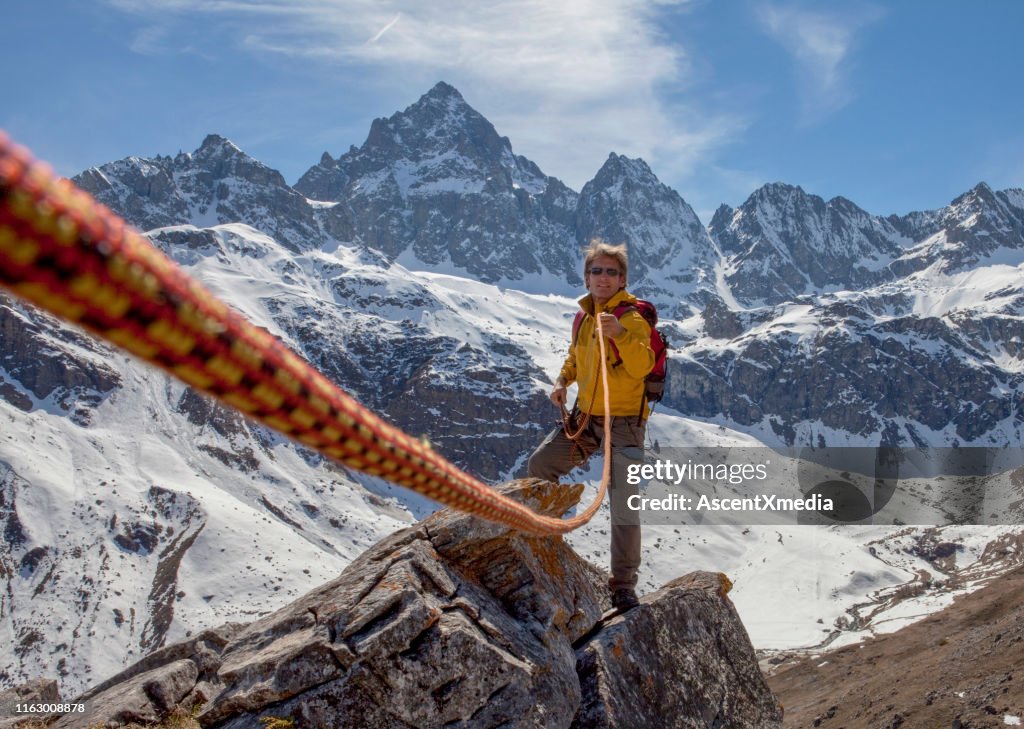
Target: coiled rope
(66, 253)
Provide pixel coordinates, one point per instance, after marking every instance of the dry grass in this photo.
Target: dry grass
(177, 719)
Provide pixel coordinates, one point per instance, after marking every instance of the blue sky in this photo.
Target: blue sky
(897, 106)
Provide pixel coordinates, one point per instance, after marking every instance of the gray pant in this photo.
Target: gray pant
(557, 455)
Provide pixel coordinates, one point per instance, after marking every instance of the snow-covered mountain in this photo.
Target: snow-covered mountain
(833, 326)
(783, 243)
(216, 183)
(980, 228)
(435, 186)
(431, 272)
(672, 258)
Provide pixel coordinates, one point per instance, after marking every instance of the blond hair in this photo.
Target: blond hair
(598, 248)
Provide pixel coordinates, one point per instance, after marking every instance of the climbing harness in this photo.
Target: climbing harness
(66, 253)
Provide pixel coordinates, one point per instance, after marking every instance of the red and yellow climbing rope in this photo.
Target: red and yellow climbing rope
(66, 253)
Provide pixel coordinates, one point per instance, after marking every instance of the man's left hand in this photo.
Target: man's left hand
(610, 325)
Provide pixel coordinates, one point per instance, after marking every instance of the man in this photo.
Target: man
(604, 274)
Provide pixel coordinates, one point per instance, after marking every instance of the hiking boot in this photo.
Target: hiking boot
(624, 599)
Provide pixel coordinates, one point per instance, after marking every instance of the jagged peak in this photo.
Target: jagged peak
(437, 121)
(443, 92)
(780, 198)
(216, 148)
(444, 98)
(981, 191)
(775, 190)
(619, 167)
(440, 125)
(980, 196)
(635, 165)
(225, 157)
(846, 206)
(722, 217)
(215, 143)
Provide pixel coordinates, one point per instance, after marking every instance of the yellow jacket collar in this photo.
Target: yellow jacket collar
(621, 297)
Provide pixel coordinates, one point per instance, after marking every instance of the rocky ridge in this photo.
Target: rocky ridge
(672, 257)
(783, 243)
(216, 183)
(390, 642)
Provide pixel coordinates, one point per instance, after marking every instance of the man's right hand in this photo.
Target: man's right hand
(558, 396)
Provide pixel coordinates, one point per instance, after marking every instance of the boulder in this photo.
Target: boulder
(681, 659)
(452, 622)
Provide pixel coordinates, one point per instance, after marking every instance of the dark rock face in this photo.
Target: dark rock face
(650, 666)
(47, 359)
(11, 527)
(456, 622)
(720, 322)
(425, 383)
(850, 370)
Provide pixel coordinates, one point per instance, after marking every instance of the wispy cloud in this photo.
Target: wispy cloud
(821, 43)
(149, 40)
(568, 81)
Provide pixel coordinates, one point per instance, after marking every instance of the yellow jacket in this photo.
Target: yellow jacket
(626, 379)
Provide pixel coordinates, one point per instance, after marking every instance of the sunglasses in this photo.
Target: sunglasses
(597, 271)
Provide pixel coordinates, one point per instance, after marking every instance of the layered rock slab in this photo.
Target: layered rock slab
(452, 622)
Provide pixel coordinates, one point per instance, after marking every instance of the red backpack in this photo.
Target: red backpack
(654, 383)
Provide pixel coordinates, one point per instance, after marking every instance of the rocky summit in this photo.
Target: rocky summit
(456, 622)
(438, 185)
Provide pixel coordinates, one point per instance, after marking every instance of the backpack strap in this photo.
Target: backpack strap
(577, 322)
(623, 308)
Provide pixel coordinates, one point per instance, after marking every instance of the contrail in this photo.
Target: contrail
(384, 30)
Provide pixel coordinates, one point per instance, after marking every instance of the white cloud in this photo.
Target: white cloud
(567, 80)
(821, 44)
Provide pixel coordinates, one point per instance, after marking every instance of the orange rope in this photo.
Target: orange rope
(66, 253)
